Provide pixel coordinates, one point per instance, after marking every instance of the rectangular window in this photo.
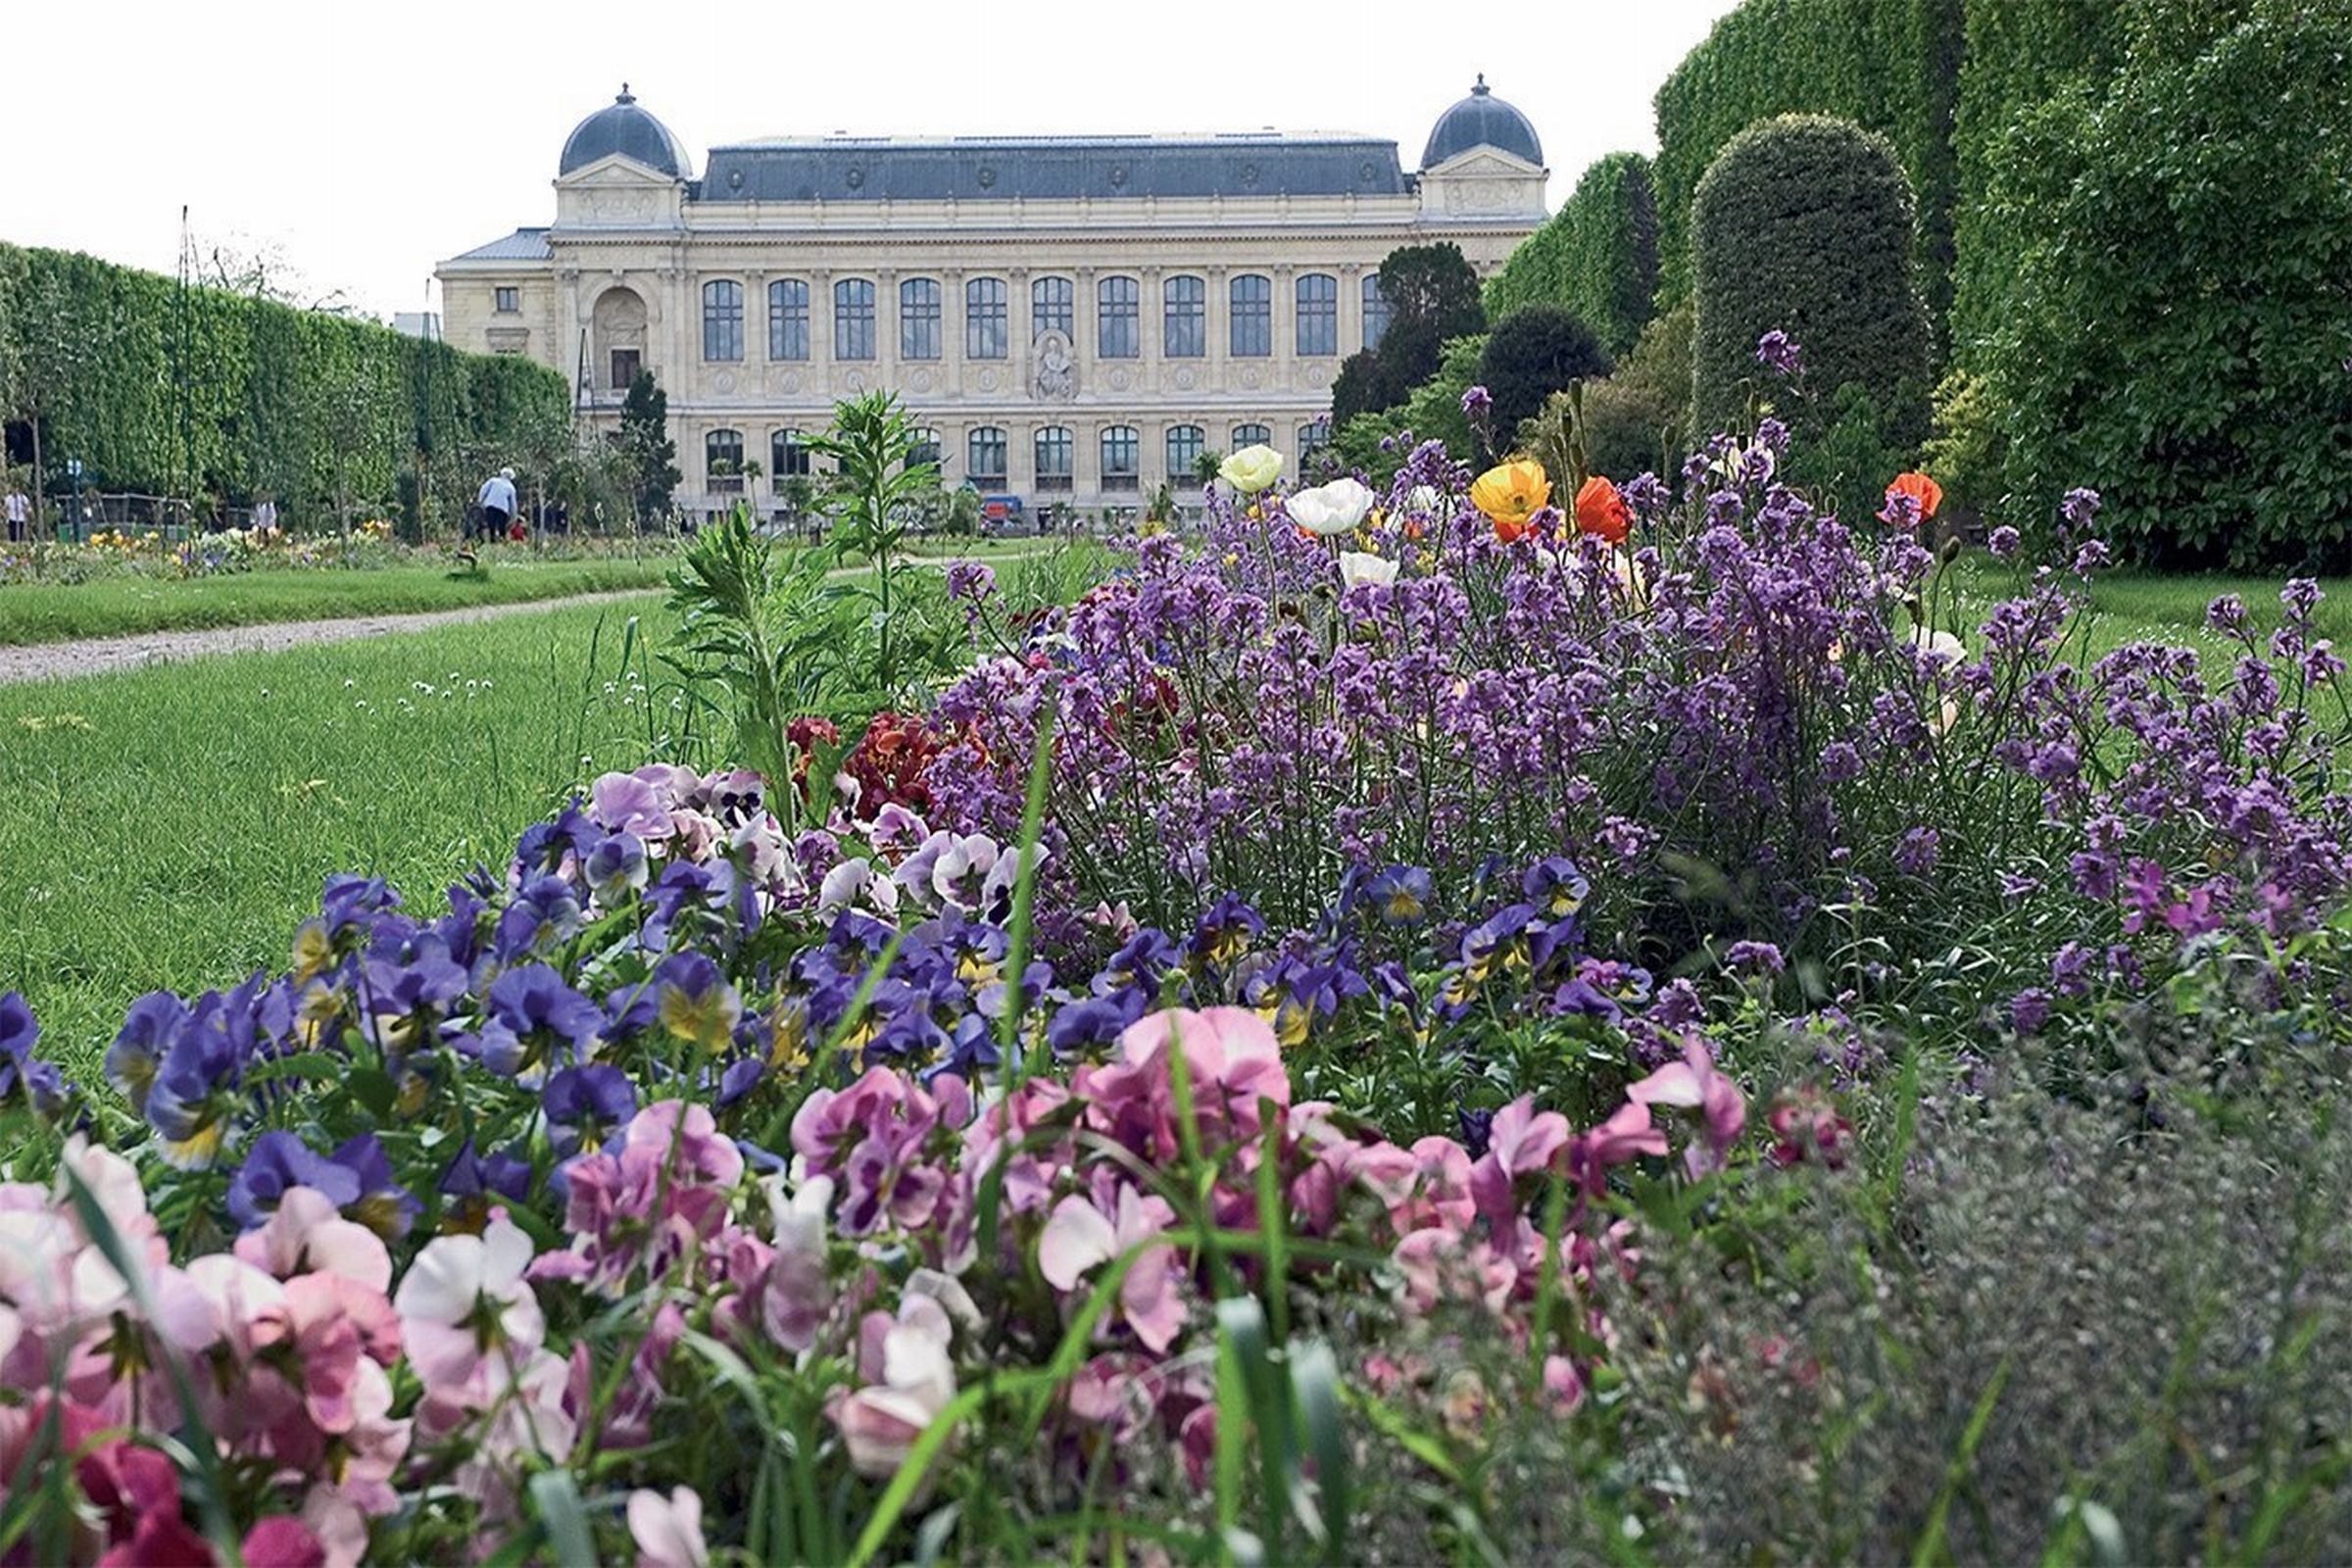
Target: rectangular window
(983, 455)
(788, 319)
(787, 454)
(1376, 310)
(1186, 334)
(723, 319)
(1121, 458)
(1253, 317)
(626, 363)
(1318, 315)
(1055, 452)
(1052, 308)
(510, 301)
(1186, 442)
(1120, 304)
(853, 320)
(918, 319)
(985, 333)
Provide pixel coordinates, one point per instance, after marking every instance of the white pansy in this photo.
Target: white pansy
(1330, 508)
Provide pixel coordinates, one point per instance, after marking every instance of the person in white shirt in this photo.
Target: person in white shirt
(497, 502)
(264, 517)
(20, 513)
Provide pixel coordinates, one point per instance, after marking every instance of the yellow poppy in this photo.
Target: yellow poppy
(1511, 494)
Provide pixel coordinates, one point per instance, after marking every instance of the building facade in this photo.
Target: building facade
(1074, 320)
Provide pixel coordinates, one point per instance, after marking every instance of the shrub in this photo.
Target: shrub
(2177, 323)
(1803, 225)
(1533, 352)
(1597, 257)
(1637, 420)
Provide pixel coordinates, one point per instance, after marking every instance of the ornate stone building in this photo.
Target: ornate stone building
(1074, 319)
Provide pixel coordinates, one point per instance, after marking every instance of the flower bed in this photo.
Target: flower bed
(1461, 939)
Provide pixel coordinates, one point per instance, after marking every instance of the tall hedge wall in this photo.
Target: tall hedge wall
(1890, 66)
(1597, 257)
(303, 406)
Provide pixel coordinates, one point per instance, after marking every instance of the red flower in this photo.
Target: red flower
(1921, 491)
(1600, 511)
(805, 734)
(889, 762)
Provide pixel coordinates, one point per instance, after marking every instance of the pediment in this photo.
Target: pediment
(613, 171)
(1484, 162)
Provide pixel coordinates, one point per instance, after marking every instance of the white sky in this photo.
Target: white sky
(361, 143)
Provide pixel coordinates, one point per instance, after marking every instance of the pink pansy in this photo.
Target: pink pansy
(1081, 1236)
(1694, 1082)
(623, 803)
(465, 1297)
(308, 1234)
(796, 1292)
(910, 1380)
(668, 1531)
(1232, 1060)
(1522, 1142)
(283, 1543)
(1627, 1133)
(1439, 1265)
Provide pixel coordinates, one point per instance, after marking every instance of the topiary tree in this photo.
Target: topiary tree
(2179, 315)
(1803, 225)
(1533, 352)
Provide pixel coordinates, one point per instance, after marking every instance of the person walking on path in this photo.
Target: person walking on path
(497, 502)
(20, 513)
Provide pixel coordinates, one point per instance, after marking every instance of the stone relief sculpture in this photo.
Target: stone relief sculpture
(1057, 379)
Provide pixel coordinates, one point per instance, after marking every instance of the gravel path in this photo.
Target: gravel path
(103, 656)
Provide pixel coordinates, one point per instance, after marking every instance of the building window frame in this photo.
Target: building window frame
(1315, 315)
(788, 453)
(723, 446)
(788, 319)
(1250, 330)
(1378, 313)
(1184, 444)
(854, 318)
(1118, 318)
(919, 314)
(1183, 315)
(1121, 447)
(1313, 437)
(1252, 435)
(722, 320)
(987, 319)
(1052, 306)
(1055, 450)
(507, 299)
(986, 451)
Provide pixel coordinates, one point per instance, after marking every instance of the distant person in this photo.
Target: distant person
(265, 516)
(498, 503)
(20, 513)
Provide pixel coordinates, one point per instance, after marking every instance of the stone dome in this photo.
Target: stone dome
(1482, 120)
(622, 128)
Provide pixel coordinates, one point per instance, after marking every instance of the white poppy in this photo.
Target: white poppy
(1359, 567)
(1330, 508)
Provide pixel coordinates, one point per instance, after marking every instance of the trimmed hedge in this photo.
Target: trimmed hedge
(2175, 322)
(302, 406)
(1597, 257)
(1533, 352)
(1802, 225)
(1890, 66)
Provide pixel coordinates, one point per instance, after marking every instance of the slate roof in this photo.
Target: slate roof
(849, 169)
(1482, 120)
(523, 245)
(620, 126)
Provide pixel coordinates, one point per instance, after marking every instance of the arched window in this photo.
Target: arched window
(788, 319)
(1055, 452)
(1120, 305)
(787, 454)
(854, 318)
(1318, 315)
(1313, 438)
(723, 319)
(1376, 310)
(1186, 314)
(984, 317)
(1122, 458)
(722, 453)
(1253, 317)
(1252, 435)
(984, 454)
(1052, 308)
(925, 448)
(918, 319)
(1186, 443)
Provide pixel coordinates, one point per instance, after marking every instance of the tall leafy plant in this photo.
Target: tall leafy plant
(881, 487)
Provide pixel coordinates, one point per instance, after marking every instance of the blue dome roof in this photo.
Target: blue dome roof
(1482, 120)
(622, 128)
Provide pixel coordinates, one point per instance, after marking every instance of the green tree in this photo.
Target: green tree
(1433, 297)
(1802, 225)
(645, 439)
(1532, 354)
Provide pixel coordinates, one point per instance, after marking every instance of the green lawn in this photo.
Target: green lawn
(170, 826)
(2135, 606)
(116, 606)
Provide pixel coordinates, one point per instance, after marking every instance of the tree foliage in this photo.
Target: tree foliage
(1533, 352)
(2179, 311)
(1802, 226)
(1598, 256)
(317, 410)
(645, 439)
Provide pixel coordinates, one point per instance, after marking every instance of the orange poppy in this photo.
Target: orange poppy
(1920, 488)
(1511, 494)
(1602, 511)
